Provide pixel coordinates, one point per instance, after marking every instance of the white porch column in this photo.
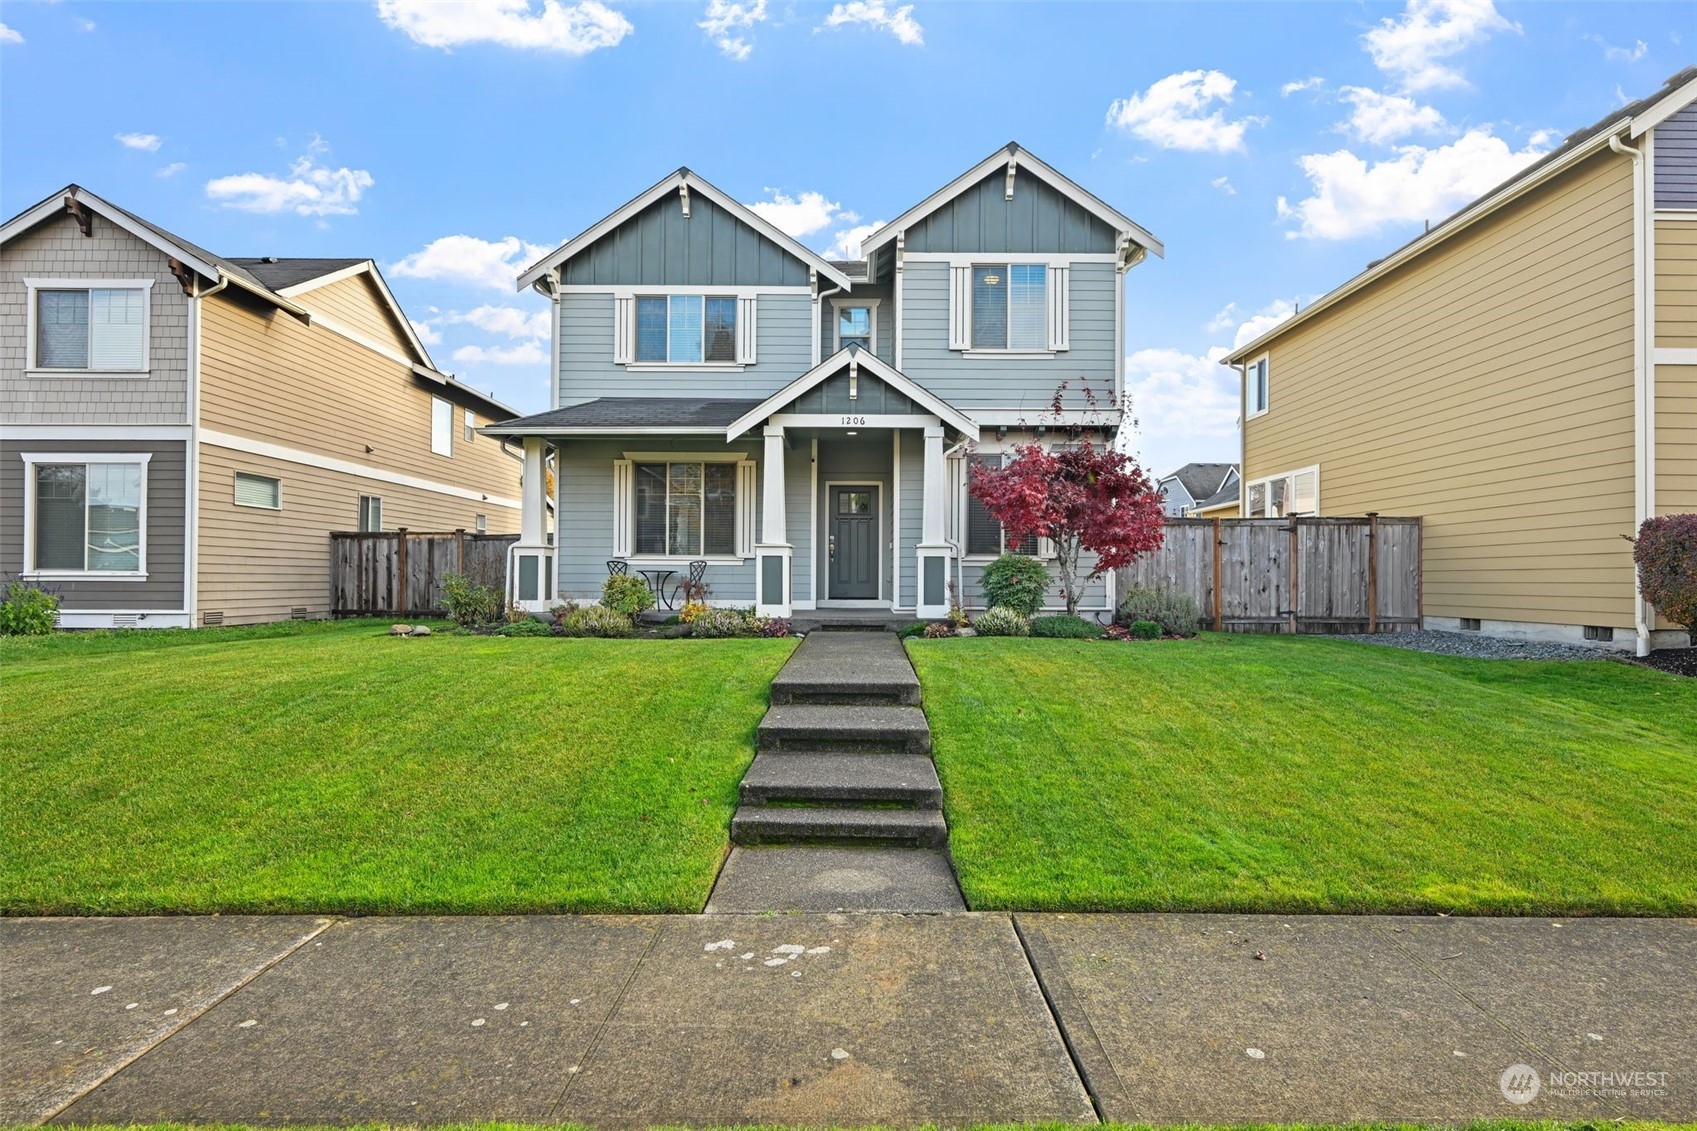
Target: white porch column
(773, 552)
(934, 552)
(530, 562)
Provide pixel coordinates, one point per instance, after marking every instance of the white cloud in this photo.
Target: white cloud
(467, 259)
(1174, 113)
(571, 29)
(875, 14)
(9, 35)
(172, 169)
(726, 20)
(1621, 54)
(801, 214)
(1413, 48)
(149, 142)
(526, 353)
(1352, 197)
(427, 333)
(1261, 321)
(84, 25)
(1384, 118)
(1297, 86)
(1223, 320)
(1186, 405)
(309, 189)
(507, 320)
(846, 243)
(1224, 185)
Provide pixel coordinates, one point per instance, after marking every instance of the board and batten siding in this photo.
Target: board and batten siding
(661, 246)
(258, 564)
(1676, 160)
(162, 590)
(1038, 219)
(970, 381)
(1488, 386)
(783, 331)
(57, 249)
(1676, 283)
(355, 303)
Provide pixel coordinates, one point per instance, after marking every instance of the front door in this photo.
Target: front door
(852, 543)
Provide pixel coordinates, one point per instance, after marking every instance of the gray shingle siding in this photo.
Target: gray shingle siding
(57, 249)
(1037, 219)
(659, 246)
(1676, 160)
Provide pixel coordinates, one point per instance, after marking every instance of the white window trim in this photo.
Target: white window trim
(30, 460)
(1267, 480)
(358, 521)
(625, 329)
(836, 335)
(1003, 449)
(624, 508)
(446, 451)
(1266, 404)
(1057, 304)
(236, 495)
(32, 285)
(470, 431)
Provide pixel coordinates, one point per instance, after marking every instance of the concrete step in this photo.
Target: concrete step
(796, 728)
(906, 779)
(768, 824)
(848, 669)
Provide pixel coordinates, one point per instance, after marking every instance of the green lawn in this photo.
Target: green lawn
(328, 768)
(1243, 773)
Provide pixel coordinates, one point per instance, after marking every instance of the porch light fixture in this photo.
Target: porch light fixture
(851, 432)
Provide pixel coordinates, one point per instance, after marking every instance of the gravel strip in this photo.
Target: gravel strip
(1483, 647)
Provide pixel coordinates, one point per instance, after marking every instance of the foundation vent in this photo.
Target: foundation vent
(1470, 624)
(1599, 633)
(123, 620)
(298, 612)
(212, 619)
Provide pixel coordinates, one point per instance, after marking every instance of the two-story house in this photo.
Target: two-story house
(723, 394)
(1523, 375)
(180, 432)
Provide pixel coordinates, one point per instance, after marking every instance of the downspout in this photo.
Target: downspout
(1242, 436)
(1643, 419)
(819, 323)
(191, 488)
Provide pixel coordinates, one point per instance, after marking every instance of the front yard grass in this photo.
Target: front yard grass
(1279, 774)
(328, 768)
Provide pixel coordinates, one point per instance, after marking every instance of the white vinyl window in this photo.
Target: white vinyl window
(86, 514)
(100, 327)
(370, 514)
(470, 426)
(1286, 495)
(857, 325)
(687, 508)
(686, 329)
(441, 427)
(984, 535)
(258, 491)
(481, 524)
(1017, 308)
(1255, 386)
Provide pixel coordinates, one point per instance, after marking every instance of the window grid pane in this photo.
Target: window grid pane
(650, 526)
(720, 523)
(650, 328)
(721, 329)
(116, 320)
(983, 533)
(62, 330)
(114, 517)
(990, 308)
(683, 508)
(1028, 307)
(685, 329)
(60, 515)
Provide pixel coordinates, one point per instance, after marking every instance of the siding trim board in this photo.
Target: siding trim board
(346, 467)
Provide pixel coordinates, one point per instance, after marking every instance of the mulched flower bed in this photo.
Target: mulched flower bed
(1676, 661)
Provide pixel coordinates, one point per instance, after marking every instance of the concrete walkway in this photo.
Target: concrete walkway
(844, 1019)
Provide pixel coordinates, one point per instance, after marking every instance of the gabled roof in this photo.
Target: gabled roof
(1231, 493)
(1676, 92)
(1026, 163)
(669, 186)
(292, 277)
(1200, 480)
(882, 370)
(628, 414)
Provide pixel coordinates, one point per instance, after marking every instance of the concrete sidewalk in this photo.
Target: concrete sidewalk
(844, 1019)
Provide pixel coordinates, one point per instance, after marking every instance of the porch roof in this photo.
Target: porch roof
(628, 414)
(757, 411)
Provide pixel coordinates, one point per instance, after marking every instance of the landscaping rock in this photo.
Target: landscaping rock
(969, 631)
(420, 630)
(1481, 647)
(400, 630)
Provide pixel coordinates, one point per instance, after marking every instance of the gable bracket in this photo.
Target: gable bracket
(1013, 167)
(683, 195)
(185, 275)
(84, 217)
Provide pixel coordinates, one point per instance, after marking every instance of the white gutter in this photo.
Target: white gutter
(1643, 380)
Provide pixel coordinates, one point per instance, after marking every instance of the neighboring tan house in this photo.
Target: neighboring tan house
(1523, 375)
(1224, 503)
(1185, 489)
(180, 432)
(724, 395)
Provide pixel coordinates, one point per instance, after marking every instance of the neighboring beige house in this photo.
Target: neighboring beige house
(1523, 375)
(180, 432)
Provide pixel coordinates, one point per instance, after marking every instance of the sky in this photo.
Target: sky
(1274, 148)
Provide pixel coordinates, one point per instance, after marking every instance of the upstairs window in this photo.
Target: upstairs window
(470, 426)
(88, 517)
(441, 427)
(685, 509)
(686, 329)
(1255, 387)
(95, 329)
(1010, 307)
(854, 327)
(984, 535)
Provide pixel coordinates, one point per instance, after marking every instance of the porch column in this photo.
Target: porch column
(530, 561)
(773, 552)
(934, 552)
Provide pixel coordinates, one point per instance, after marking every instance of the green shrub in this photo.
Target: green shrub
(1016, 582)
(529, 626)
(1145, 630)
(26, 610)
(715, 623)
(470, 604)
(627, 594)
(917, 628)
(1665, 552)
(596, 620)
(1000, 620)
(1065, 627)
(1175, 613)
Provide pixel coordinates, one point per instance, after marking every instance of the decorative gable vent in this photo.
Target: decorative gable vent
(212, 620)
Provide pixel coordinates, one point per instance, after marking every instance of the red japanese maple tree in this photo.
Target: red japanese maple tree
(1082, 498)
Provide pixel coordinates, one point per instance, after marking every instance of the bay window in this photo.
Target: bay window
(87, 514)
(99, 326)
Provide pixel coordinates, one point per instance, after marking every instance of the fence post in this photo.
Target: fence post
(1219, 624)
(1372, 572)
(1420, 570)
(1291, 622)
(459, 549)
(401, 581)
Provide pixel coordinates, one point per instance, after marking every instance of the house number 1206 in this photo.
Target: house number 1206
(854, 420)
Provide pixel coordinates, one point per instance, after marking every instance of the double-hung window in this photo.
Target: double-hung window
(686, 329)
(855, 326)
(685, 509)
(88, 514)
(1010, 306)
(1255, 387)
(370, 514)
(441, 426)
(93, 329)
(985, 537)
(1287, 495)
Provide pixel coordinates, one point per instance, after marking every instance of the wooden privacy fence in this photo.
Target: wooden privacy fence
(400, 572)
(1318, 575)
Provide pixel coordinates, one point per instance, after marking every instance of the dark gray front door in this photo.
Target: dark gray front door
(853, 543)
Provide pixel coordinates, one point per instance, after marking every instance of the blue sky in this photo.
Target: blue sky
(1275, 148)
